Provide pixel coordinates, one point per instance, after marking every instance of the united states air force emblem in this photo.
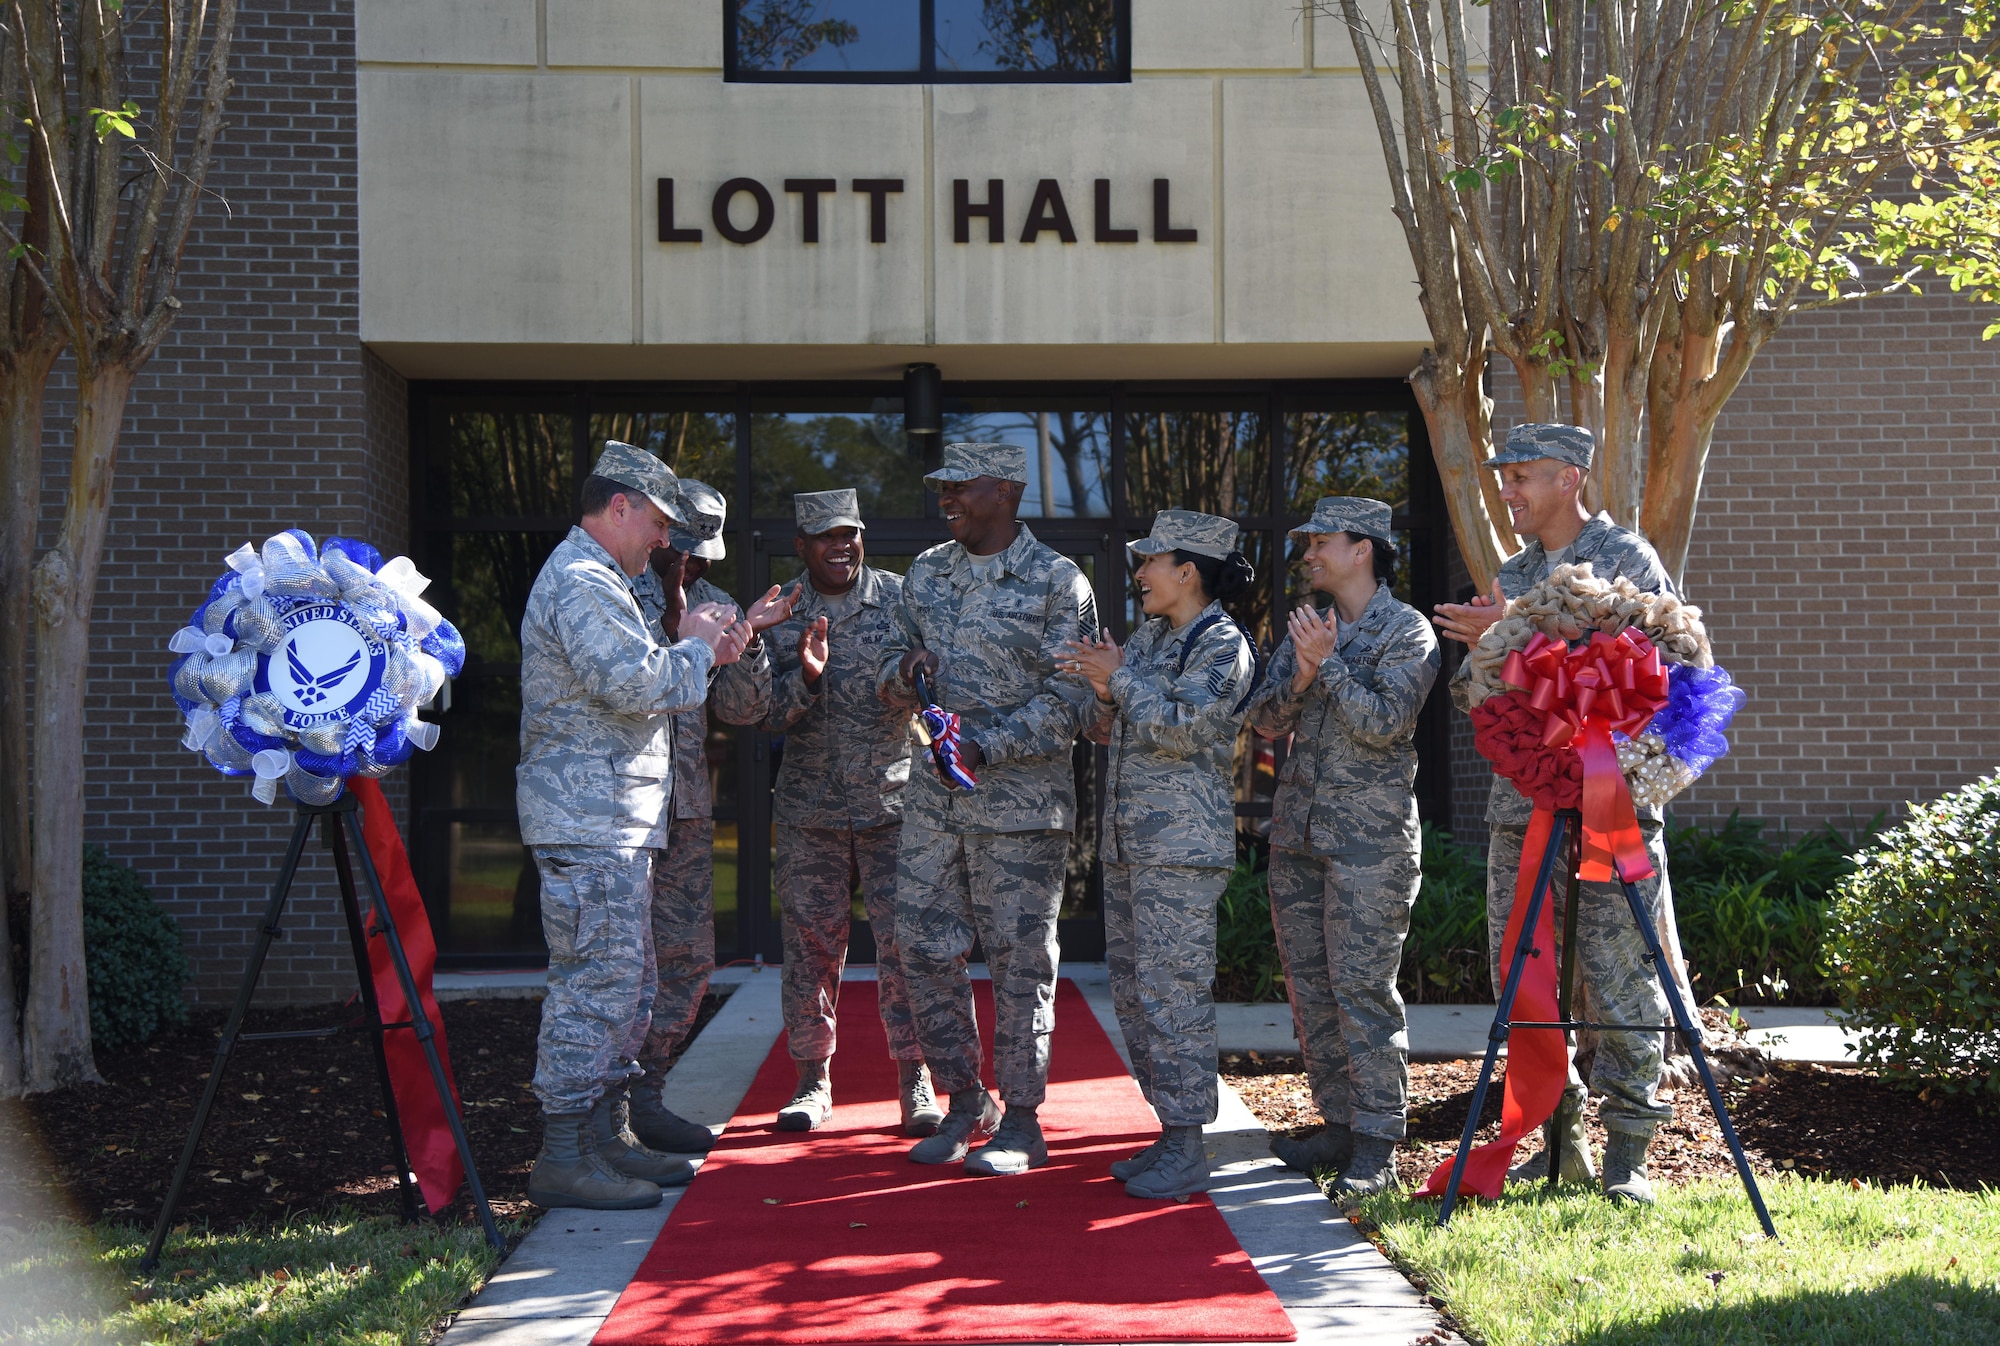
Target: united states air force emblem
(325, 667)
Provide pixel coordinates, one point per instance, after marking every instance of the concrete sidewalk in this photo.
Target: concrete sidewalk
(1458, 1032)
(561, 1283)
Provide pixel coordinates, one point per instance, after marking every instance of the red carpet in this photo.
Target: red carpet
(834, 1236)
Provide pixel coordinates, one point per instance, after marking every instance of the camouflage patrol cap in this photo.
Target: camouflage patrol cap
(1185, 530)
(1355, 514)
(630, 465)
(1572, 444)
(963, 462)
(823, 511)
(700, 533)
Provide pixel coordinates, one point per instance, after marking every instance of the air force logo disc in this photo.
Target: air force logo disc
(324, 668)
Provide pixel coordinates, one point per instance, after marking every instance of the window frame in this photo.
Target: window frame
(927, 71)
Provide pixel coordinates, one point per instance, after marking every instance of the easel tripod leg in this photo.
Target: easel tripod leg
(371, 1005)
(1685, 1026)
(426, 1036)
(1503, 1012)
(280, 891)
(1566, 998)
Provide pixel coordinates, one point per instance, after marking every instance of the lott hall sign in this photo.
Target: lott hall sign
(744, 211)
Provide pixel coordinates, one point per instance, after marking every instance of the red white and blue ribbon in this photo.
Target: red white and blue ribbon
(939, 729)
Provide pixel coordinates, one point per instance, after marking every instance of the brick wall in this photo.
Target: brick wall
(261, 412)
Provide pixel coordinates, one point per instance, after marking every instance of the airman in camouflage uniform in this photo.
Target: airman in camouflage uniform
(591, 792)
(989, 862)
(837, 807)
(1617, 979)
(1175, 705)
(683, 908)
(1345, 846)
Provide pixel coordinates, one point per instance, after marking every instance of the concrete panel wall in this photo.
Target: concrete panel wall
(1312, 251)
(1210, 35)
(450, 32)
(496, 207)
(659, 34)
(842, 288)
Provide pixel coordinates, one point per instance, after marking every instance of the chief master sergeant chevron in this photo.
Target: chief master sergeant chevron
(597, 692)
(987, 616)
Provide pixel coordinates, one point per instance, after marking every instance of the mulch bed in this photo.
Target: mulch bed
(298, 1126)
(1826, 1121)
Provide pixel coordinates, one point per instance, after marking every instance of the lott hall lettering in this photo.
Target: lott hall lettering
(743, 211)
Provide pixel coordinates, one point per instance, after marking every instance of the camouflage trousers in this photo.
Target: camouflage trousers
(1159, 939)
(683, 934)
(1341, 921)
(1003, 889)
(1614, 975)
(817, 869)
(594, 901)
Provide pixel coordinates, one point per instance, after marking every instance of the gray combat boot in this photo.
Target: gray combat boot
(973, 1114)
(1625, 1166)
(812, 1101)
(570, 1172)
(611, 1136)
(921, 1114)
(1180, 1169)
(1016, 1147)
(1127, 1169)
(1330, 1148)
(1576, 1165)
(1371, 1170)
(659, 1129)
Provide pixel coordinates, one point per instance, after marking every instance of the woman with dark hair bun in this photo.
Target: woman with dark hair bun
(1169, 705)
(1347, 685)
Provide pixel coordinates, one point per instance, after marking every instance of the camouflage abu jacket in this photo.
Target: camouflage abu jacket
(1172, 732)
(996, 645)
(738, 694)
(1612, 551)
(596, 688)
(847, 754)
(1347, 783)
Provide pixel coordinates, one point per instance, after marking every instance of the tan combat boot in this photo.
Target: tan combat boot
(570, 1172)
(921, 1113)
(812, 1101)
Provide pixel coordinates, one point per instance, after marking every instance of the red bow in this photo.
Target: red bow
(1586, 693)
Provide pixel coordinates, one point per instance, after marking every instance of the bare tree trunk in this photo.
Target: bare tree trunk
(56, 1026)
(1457, 413)
(23, 377)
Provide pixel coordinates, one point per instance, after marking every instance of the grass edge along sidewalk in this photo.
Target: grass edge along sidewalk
(340, 1277)
(1855, 1265)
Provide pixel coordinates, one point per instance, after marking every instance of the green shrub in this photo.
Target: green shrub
(1246, 951)
(1753, 912)
(1445, 958)
(132, 952)
(1914, 943)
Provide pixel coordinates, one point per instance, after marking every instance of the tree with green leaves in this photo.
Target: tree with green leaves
(1626, 201)
(113, 121)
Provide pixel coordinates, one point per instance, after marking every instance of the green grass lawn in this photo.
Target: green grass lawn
(316, 1279)
(1863, 1265)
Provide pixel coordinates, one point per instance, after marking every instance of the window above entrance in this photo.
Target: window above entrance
(928, 41)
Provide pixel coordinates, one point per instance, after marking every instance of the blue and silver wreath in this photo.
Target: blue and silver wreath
(307, 664)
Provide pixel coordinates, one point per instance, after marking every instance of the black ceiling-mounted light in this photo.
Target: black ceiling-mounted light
(923, 403)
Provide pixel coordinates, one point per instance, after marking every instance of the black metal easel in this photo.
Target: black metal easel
(1565, 837)
(336, 821)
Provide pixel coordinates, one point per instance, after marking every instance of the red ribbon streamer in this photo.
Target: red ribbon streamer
(433, 1156)
(1537, 1058)
(1585, 693)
